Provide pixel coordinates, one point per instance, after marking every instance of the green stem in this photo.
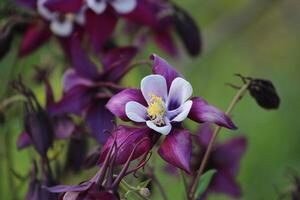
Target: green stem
(233, 103)
(126, 187)
(6, 102)
(185, 185)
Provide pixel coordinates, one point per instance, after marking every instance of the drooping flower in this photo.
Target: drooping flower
(225, 158)
(161, 105)
(86, 90)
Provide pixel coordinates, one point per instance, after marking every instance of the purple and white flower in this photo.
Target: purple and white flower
(120, 6)
(163, 107)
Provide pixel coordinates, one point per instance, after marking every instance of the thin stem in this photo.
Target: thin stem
(185, 185)
(126, 187)
(160, 187)
(10, 100)
(234, 101)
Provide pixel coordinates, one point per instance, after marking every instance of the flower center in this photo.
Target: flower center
(157, 110)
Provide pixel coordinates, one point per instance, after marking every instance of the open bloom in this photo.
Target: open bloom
(161, 104)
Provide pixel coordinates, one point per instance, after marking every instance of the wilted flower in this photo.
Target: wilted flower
(161, 104)
(225, 159)
(86, 90)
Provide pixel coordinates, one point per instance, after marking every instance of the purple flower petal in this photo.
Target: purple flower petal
(127, 138)
(162, 67)
(204, 134)
(81, 62)
(166, 42)
(27, 3)
(36, 34)
(100, 27)
(63, 127)
(154, 85)
(226, 184)
(176, 149)
(124, 6)
(74, 101)
(99, 119)
(180, 92)
(70, 188)
(116, 63)
(203, 112)
(73, 79)
(64, 6)
(228, 154)
(117, 103)
(23, 141)
(136, 111)
(103, 196)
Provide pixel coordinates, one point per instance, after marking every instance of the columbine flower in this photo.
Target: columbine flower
(225, 159)
(86, 90)
(161, 104)
(120, 6)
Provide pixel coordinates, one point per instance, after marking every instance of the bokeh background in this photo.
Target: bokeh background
(258, 38)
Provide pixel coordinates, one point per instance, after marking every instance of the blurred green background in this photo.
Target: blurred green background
(259, 38)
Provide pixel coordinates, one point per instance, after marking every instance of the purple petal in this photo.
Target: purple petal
(63, 127)
(74, 101)
(27, 3)
(176, 149)
(70, 188)
(154, 85)
(226, 184)
(80, 61)
(23, 141)
(103, 196)
(127, 138)
(100, 27)
(204, 134)
(228, 154)
(64, 6)
(182, 112)
(36, 35)
(160, 66)
(117, 103)
(136, 111)
(203, 112)
(180, 92)
(166, 42)
(99, 119)
(73, 79)
(116, 63)
(145, 14)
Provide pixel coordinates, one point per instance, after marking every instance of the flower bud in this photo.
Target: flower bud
(264, 92)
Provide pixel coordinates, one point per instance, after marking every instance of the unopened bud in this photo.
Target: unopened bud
(145, 192)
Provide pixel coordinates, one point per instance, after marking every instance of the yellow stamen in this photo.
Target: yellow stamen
(157, 110)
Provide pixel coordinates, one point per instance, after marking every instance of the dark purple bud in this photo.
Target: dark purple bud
(264, 92)
(39, 128)
(76, 152)
(187, 31)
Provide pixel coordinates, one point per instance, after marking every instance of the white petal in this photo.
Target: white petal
(61, 28)
(97, 6)
(165, 130)
(80, 17)
(154, 85)
(180, 91)
(124, 6)
(183, 111)
(71, 195)
(136, 111)
(44, 12)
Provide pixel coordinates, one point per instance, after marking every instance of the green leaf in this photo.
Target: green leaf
(204, 182)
